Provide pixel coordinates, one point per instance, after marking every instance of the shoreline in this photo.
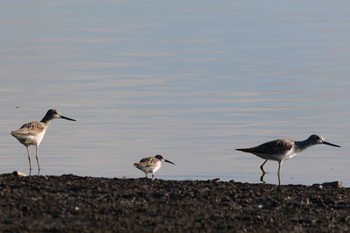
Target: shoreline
(90, 204)
(335, 183)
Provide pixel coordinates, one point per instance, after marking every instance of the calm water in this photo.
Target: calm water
(189, 80)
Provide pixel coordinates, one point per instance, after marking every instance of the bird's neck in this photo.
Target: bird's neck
(46, 120)
(302, 145)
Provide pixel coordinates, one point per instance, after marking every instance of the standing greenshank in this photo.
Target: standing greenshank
(283, 149)
(151, 164)
(32, 133)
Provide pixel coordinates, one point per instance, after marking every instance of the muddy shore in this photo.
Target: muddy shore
(71, 203)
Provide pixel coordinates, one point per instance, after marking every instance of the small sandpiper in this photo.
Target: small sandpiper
(151, 164)
(32, 133)
(283, 149)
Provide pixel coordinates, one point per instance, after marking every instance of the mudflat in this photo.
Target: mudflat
(70, 203)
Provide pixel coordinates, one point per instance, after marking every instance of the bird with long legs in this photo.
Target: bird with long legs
(32, 133)
(283, 149)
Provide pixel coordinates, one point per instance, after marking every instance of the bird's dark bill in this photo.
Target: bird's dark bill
(67, 118)
(330, 144)
(169, 162)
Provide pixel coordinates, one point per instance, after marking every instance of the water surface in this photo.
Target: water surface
(192, 81)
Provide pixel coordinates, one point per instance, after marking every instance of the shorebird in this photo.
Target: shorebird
(283, 149)
(32, 133)
(151, 164)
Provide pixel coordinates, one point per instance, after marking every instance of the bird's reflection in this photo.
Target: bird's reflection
(264, 173)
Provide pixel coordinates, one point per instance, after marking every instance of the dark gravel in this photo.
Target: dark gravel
(71, 203)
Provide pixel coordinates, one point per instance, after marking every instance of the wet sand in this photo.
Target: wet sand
(71, 203)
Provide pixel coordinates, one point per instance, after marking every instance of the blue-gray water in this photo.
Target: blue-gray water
(191, 80)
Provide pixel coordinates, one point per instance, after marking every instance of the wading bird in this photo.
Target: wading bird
(32, 133)
(151, 164)
(283, 149)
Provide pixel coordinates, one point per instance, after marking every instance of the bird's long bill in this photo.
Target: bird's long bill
(330, 144)
(169, 161)
(67, 118)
